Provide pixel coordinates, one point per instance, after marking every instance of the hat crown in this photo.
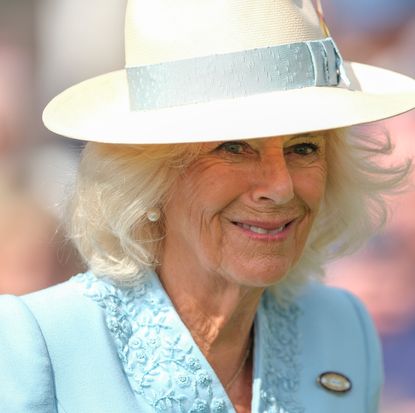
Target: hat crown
(163, 30)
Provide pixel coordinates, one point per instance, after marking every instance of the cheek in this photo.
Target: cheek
(197, 199)
(310, 185)
(209, 187)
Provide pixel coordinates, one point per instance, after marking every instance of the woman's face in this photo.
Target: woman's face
(243, 209)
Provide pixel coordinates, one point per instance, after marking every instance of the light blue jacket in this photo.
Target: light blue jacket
(87, 346)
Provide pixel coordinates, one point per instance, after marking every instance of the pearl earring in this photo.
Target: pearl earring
(153, 214)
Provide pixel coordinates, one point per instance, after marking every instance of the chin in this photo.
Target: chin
(259, 276)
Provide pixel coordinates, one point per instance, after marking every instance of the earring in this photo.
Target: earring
(153, 214)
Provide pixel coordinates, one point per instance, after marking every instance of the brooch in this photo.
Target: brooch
(335, 382)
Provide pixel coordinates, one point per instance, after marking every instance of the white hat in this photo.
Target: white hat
(206, 70)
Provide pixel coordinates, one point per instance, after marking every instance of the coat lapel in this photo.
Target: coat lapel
(166, 370)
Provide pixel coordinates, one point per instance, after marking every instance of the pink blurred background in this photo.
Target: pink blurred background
(47, 45)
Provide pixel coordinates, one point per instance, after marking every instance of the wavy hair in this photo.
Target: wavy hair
(118, 184)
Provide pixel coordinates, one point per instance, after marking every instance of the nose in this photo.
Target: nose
(273, 180)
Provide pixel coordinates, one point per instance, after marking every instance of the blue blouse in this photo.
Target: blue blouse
(90, 346)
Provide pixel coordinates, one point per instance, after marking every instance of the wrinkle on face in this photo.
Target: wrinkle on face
(215, 264)
(219, 188)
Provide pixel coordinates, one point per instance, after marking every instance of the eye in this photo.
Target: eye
(236, 148)
(303, 149)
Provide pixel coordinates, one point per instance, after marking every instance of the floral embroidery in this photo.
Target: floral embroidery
(218, 406)
(163, 365)
(199, 406)
(281, 376)
(203, 378)
(160, 361)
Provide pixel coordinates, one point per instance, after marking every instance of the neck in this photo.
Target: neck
(218, 313)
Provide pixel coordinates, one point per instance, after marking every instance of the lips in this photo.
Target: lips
(260, 230)
(263, 228)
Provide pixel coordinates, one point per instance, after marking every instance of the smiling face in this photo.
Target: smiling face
(243, 209)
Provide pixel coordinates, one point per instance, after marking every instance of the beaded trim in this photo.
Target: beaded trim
(281, 375)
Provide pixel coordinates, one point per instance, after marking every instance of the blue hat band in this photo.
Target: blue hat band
(233, 75)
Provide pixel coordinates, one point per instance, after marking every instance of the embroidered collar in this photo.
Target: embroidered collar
(167, 370)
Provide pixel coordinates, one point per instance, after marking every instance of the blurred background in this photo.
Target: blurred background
(48, 45)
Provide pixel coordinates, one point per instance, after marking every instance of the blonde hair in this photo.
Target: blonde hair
(118, 184)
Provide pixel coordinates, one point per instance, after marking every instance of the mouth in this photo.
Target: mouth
(264, 229)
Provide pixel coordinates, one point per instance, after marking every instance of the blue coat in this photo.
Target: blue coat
(88, 346)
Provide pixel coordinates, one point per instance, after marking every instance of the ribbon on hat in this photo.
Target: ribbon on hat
(237, 74)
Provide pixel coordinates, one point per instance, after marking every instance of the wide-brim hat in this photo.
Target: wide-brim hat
(207, 70)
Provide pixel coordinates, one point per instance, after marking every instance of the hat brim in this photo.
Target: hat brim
(98, 110)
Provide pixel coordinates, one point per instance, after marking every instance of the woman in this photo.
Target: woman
(202, 248)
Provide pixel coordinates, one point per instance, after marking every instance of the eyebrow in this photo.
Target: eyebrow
(309, 135)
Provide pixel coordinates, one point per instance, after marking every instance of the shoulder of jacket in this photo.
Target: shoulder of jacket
(336, 310)
(331, 301)
(57, 311)
(26, 374)
(61, 304)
